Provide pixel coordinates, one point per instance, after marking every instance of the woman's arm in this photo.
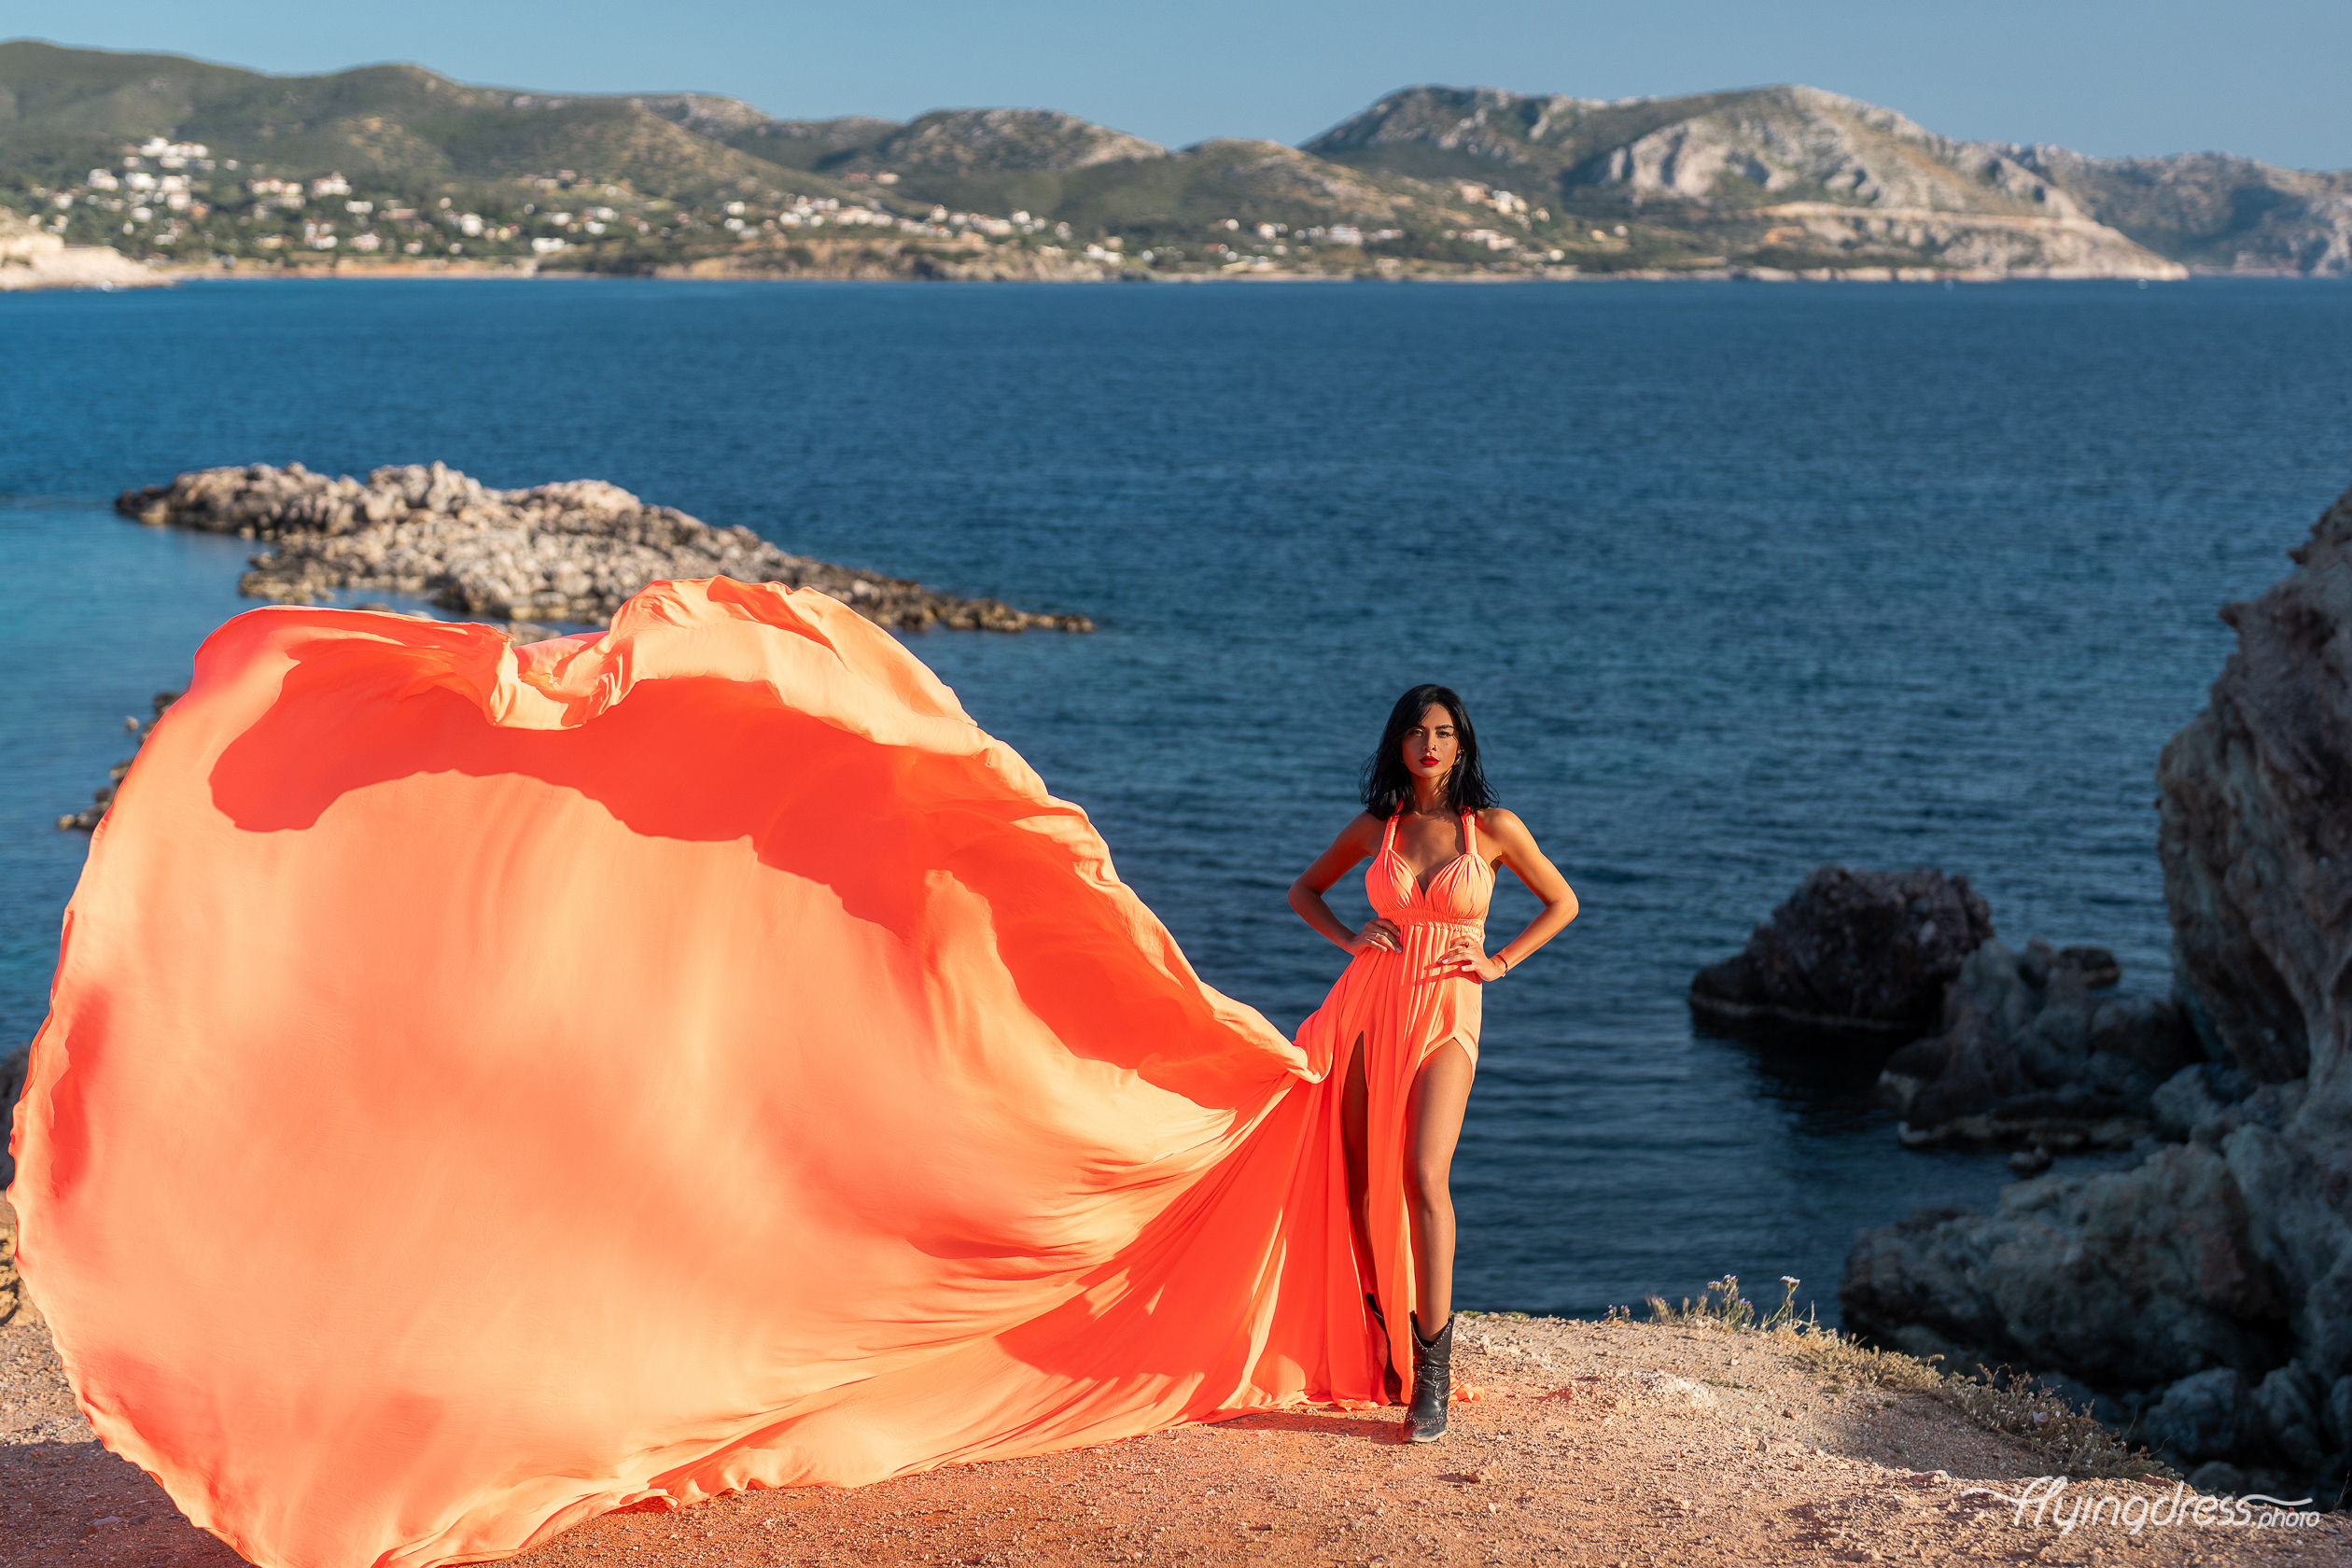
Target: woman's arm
(1356, 841)
(1509, 835)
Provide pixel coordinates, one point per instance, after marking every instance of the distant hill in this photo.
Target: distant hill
(75, 109)
(1719, 153)
(178, 160)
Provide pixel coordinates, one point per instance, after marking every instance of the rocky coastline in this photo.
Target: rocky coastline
(570, 552)
(2202, 1295)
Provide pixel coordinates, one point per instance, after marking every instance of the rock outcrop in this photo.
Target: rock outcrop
(1869, 952)
(2208, 1289)
(87, 817)
(29, 258)
(572, 552)
(2032, 1055)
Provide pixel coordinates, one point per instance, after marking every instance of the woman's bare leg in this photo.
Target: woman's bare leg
(1354, 1099)
(1433, 1120)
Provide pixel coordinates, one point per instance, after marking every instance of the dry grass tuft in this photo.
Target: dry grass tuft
(1842, 1360)
(2074, 1443)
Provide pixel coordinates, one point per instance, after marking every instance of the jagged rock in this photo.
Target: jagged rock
(573, 551)
(2229, 1255)
(2028, 1055)
(1867, 951)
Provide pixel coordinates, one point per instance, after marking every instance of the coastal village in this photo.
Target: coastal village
(177, 205)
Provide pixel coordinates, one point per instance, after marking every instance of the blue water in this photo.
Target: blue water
(1736, 579)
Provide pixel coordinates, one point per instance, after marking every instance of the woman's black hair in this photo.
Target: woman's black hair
(1388, 783)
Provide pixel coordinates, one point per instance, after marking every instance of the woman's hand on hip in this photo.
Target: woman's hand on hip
(1380, 935)
(1467, 958)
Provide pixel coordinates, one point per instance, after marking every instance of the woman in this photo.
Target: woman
(485, 1086)
(1404, 1014)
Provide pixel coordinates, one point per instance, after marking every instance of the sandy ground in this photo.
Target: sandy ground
(1593, 1444)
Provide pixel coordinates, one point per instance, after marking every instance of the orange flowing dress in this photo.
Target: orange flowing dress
(489, 1085)
(1400, 1009)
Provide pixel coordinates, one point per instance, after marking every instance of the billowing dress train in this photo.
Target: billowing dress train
(486, 1085)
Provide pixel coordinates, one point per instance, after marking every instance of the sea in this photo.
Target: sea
(1736, 581)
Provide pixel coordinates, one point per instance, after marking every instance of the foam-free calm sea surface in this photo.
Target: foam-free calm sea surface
(1736, 579)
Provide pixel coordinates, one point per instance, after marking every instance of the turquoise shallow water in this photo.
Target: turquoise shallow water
(1737, 578)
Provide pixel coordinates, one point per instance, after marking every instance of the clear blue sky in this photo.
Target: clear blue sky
(2263, 78)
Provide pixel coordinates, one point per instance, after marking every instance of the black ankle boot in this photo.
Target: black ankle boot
(1432, 1383)
(1391, 1384)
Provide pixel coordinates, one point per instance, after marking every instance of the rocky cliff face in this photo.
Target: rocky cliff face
(2257, 830)
(1737, 148)
(1799, 141)
(2207, 1290)
(1817, 163)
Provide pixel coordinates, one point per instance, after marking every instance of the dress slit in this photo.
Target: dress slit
(1405, 1011)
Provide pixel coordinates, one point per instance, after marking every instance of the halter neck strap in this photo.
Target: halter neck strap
(1469, 833)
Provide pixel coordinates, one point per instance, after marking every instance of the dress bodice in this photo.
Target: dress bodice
(1458, 890)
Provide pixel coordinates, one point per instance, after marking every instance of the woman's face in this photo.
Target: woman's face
(1431, 745)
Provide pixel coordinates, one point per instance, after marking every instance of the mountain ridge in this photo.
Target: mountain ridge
(2219, 212)
(1427, 179)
